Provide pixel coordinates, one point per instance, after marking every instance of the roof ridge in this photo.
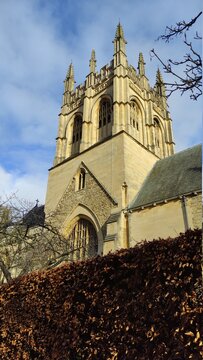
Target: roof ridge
(182, 151)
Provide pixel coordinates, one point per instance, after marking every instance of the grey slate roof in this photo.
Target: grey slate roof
(113, 218)
(35, 217)
(171, 177)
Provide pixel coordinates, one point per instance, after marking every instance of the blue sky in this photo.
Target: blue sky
(39, 39)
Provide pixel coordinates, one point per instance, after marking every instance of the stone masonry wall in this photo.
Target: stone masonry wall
(195, 204)
(92, 196)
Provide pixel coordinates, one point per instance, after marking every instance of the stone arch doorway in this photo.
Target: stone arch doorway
(82, 239)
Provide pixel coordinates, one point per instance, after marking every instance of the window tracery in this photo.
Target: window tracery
(135, 115)
(105, 118)
(158, 138)
(157, 133)
(77, 134)
(83, 240)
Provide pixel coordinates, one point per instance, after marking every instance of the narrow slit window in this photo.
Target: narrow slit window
(82, 178)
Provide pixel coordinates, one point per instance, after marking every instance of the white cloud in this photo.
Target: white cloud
(31, 112)
(30, 186)
(38, 39)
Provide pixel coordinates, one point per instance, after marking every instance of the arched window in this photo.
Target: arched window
(80, 179)
(158, 138)
(77, 134)
(135, 115)
(157, 133)
(82, 240)
(105, 118)
(81, 184)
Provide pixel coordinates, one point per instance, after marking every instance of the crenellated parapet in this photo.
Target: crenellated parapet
(99, 81)
(116, 98)
(106, 72)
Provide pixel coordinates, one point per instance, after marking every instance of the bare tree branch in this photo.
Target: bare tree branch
(28, 244)
(5, 271)
(186, 72)
(180, 28)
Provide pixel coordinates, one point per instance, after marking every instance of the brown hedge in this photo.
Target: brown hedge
(143, 303)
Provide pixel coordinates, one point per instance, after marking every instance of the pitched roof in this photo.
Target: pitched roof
(35, 217)
(171, 177)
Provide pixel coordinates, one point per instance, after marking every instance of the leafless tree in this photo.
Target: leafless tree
(28, 242)
(186, 72)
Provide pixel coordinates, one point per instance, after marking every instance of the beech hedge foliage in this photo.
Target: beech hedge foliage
(142, 303)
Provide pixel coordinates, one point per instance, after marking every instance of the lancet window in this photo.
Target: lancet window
(134, 115)
(104, 113)
(82, 175)
(157, 133)
(105, 118)
(158, 138)
(83, 240)
(77, 134)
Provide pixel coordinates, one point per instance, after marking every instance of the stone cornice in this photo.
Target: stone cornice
(99, 143)
(163, 201)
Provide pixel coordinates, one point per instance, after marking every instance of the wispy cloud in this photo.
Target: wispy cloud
(38, 39)
(29, 186)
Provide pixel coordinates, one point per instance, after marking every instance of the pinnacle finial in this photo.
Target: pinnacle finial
(141, 64)
(93, 61)
(69, 81)
(119, 46)
(70, 72)
(93, 54)
(160, 83)
(141, 58)
(119, 32)
(159, 78)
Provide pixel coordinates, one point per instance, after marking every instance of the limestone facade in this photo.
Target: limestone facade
(112, 130)
(167, 219)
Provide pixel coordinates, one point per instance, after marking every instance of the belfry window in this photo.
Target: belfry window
(83, 240)
(104, 112)
(105, 118)
(157, 133)
(134, 115)
(77, 134)
(158, 138)
(77, 129)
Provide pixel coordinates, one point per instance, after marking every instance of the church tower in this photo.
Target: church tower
(112, 130)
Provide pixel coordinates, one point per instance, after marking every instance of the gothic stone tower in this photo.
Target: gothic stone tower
(112, 130)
